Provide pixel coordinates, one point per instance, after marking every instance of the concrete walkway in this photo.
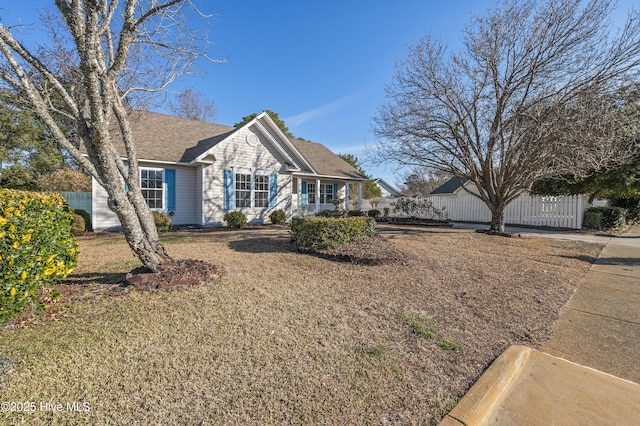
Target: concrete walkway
(588, 372)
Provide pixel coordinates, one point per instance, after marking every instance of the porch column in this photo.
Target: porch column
(346, 195)
(299, 192)
(317, 195)
(359, 195)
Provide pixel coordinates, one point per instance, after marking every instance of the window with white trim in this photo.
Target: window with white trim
(261, 191)
(243, 190)
(151, 181)
(326, 192)
(311, 193)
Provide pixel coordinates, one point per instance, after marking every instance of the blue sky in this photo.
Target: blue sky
(321, 65)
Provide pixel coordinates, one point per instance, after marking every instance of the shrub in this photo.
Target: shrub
(320, 233)
(78, 223)
(373, 213)
(355, 213)
(612, 217)
(87, 218)
(163, 222)
(325, 213)
(37, 247)
(278, 217)
(631, 205)
(592, 220)
(235, 219)
(420, 208)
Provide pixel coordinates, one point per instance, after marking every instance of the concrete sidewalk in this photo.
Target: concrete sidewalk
(588, 372)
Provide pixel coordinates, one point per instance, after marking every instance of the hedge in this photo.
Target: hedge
(162, 221)
(37, 246)
(320, 232)
(612, 217)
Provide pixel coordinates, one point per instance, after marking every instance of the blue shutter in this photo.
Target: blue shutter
(335, 191)
(170, 180)
(228, 190)
(303, 196)
(273, 190)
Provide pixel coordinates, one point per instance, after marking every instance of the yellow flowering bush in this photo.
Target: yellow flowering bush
(37, 246)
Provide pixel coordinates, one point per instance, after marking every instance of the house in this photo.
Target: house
(550, 211)
(388, 191)
(196, 172)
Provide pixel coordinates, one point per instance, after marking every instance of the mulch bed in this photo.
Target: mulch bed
(185, 273)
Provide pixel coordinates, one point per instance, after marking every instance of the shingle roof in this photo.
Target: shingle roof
(163, 137)
(324, 161)
(166, 138)
(450, 186)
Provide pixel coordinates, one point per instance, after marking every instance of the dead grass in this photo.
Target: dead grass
(287, 337)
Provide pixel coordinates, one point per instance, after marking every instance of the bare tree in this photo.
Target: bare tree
(90, 83)
(421, 181)
(193, 105)
(535, 92)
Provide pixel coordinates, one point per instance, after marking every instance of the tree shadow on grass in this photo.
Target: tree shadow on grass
(112, 278)
(272, 244)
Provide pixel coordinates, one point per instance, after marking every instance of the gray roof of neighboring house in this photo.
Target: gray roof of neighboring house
(163, 137)
(387, 187)
(450, 186)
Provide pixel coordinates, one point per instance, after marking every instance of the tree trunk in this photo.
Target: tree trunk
(497, 217)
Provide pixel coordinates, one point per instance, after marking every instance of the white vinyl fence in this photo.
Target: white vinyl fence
(556, 212)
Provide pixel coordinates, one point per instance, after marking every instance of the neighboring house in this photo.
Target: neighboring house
(388, 191)
(196, 172)
(527, 209)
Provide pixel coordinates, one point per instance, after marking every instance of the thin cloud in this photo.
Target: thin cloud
(312, 114)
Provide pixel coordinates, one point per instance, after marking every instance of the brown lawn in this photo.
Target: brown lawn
(286, 337)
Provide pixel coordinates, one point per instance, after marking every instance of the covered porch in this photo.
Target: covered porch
(311, 195)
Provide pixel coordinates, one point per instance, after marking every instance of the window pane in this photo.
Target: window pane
(243, 190)
(261, 191)
(151, 186)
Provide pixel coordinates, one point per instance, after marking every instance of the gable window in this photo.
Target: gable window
(151, 181)
(243, 190)
(311, 193)
(326, 193)
(261, 191)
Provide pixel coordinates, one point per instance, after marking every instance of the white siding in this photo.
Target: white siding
(186, 200)
(185, 212)
(101, 215)
(198, 196)
(237, 154)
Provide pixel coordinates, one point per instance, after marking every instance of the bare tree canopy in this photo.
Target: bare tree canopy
(102, 54)
(538, 90)
(193, 105)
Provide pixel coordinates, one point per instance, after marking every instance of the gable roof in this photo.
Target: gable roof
(387, 187)
(165, 138)
(325, 162)
(451, 186)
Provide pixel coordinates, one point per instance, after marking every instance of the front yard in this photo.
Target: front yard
(285, 337)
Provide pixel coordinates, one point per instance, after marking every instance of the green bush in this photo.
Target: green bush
(163, 222)
(592, 220)
(320, 233)
(78, 223)
(235, 219)
(612, 217)
(373, 213)
(278, 217)
(37, 247)
(631, 205)
(87, 218)
(355, 213)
